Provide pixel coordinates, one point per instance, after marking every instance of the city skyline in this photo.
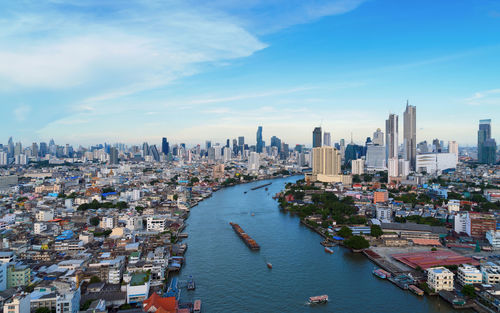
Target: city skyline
(343, 65)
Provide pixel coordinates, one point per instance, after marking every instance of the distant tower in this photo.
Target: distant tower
(378, 137)
(260, 144)
(410, 135)
(327, 139)
(317, 137)
(164, 146)
(486, 146)
(391, 137)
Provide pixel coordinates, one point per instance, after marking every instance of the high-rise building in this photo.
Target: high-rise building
(260, 144)
(113, 155)
(436, 146)
(165, 146)
(154, 152)
(410, 135)
(253, 162)
(486, 146)
(375, 157)
(208, 144)
(423, 147)
(326, 161)
(453, 147)
(43, 149)
(317, 137)
(34, 149)
(378, 137)
(358, 167)
(276, 142)
(327, 139)
(393, 168)
(391, 137)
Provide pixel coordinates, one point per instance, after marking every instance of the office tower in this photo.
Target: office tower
(276, 142)
(317, 137)
(486, 146)
(145, 149)
(113, 155)
(410, 135)
(43, 149)
(4, 158)
(227, 142)
(375, 157)
(403, 168)
(378, 137)
(253, 162)
(436, 146)
(34, 149)
(10, 147)
(260, 144)
(211, 153)
(358, 167)
(423, 147)
(52, 147)
(165, 146)
(241, 141)
(453, 147)
(217, 152)
(353, 152)
(154, 152)
(327, 139)
(326, 161)
(235, 147)
(208, 144)
(391, 137)
(18, 149)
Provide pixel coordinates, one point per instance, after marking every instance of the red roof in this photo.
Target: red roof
(162, 305)
(428, 259)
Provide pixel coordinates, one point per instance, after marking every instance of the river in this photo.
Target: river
(232, 278)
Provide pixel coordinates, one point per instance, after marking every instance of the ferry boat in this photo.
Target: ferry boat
(328, 250)
(197, 306)
(269, 265)
(416, 290)
(379, 273)
(318, 299)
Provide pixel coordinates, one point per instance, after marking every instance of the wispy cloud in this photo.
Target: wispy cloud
(487, 97)
(22, 112)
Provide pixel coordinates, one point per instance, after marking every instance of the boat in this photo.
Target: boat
(416, 290)
(261, 186)
(253, 214)
(328, 250)
(269, 265)
(246, 239)
(318, 299)
(190, 283)
(197, 306)
(266, 189)
(244, 192)
(379, 273)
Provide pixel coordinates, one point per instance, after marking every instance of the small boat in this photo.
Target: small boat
(328, 250)
(253, 214)
(244, 192)
(190, 283)
(266, 189)
(318, 299)
(197, 306)
(379, 273)
(269, 265)
(416, 290)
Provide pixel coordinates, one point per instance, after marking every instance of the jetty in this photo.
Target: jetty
(244, 236)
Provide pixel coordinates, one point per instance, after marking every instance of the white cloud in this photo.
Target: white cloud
(487, 97)
(22, 112)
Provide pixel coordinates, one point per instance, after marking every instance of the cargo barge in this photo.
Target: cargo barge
(261, 186)
(246, 239)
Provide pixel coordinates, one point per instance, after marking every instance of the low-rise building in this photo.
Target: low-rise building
(491, 274)
(469, 275)
(493, 237)
(440, 278)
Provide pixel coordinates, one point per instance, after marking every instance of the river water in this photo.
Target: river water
(232, 278)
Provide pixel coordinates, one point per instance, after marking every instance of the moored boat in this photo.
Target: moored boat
(328, 250)
(379, 273)
(197, 306)
(416, 290)
(318, 299)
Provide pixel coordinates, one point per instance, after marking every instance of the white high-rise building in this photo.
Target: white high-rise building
(410, 135)
(227, 154)
(393, 167)
(253, 162)
(462, 223)
(327, 139)
(404, 168)
(358, 167)
(375, 157)
(3, 158)
(391, 137)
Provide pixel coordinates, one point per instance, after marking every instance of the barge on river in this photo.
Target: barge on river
(244, 236)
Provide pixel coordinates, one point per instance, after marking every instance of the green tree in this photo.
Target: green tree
(345, 232)
(356, 178)
(95, 279)
(43, 310)
(94, 221)
(357, 242)
(469, 291)
(376, 231)
(194, 180)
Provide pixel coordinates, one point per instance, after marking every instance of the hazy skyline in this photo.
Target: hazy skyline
(100, 71)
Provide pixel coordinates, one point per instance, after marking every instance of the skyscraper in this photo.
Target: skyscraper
(378, 137)
(410, 135)
(113, 155)
(164, 146)
(327, 139)
(391, 137)
(317, 137)
(326, 161)
(486, 146)
(260, 144)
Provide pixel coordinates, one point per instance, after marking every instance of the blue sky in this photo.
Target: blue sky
(101, 70)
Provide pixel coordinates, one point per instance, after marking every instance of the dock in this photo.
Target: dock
(245, 237)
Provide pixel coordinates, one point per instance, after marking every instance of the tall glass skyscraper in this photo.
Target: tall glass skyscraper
(317, 137)
(260, 144)
(164, 146)
(486, 146)
(410, 135)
